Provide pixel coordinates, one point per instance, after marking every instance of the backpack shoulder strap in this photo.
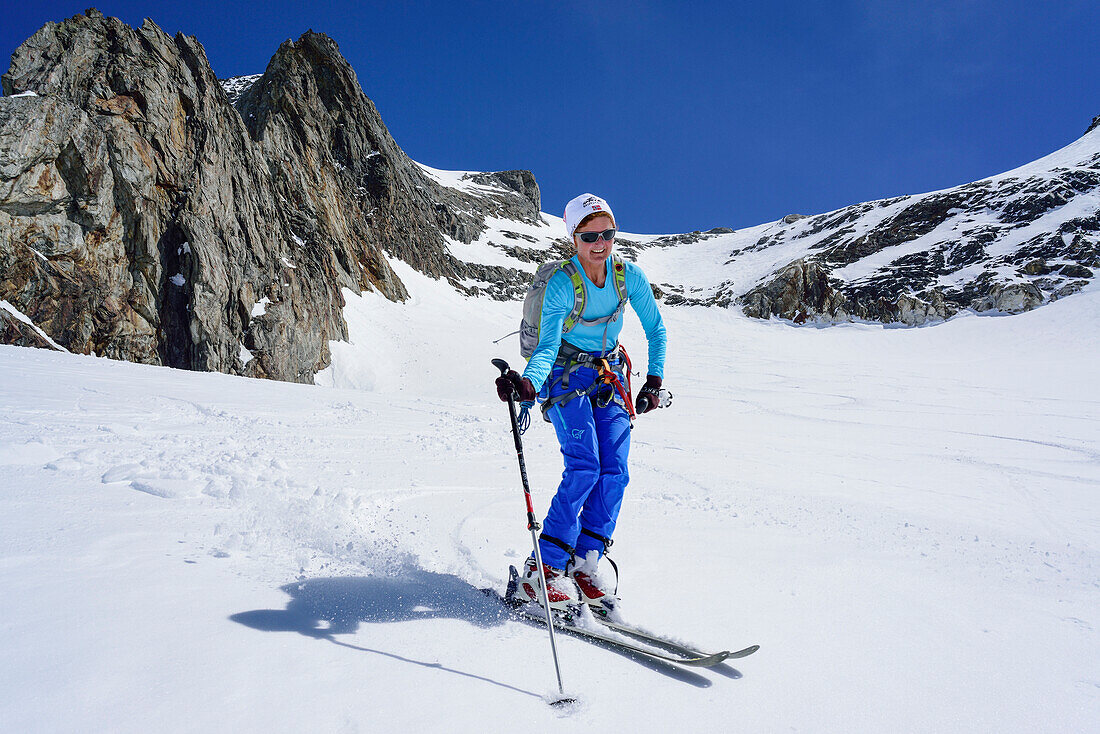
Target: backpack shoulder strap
(580, 296)
(618, 276)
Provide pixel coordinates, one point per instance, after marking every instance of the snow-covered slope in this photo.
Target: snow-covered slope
(906, 520)
(1007, 243)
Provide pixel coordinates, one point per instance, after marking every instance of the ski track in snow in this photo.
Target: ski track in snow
(907, 521)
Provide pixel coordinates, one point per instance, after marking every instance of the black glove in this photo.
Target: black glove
(649, 396)
(511, 383)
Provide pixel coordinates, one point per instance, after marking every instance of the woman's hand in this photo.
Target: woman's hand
(649, 396)
(511, 383)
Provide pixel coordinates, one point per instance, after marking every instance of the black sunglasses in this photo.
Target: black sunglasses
(590, 237)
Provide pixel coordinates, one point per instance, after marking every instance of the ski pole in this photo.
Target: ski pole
(534, 527)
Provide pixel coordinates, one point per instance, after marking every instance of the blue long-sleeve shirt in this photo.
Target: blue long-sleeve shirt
(558, 303)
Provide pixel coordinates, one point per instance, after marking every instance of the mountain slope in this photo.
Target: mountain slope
(1008, 243)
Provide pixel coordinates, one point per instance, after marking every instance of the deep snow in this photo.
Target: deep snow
(906, 520)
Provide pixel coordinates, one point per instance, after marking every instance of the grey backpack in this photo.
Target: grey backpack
(530, 328)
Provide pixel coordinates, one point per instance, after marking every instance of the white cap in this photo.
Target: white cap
(581, 207)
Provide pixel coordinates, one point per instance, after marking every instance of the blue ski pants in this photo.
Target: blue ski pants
(595, 442)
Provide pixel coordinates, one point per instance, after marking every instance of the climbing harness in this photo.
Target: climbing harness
(607, 386)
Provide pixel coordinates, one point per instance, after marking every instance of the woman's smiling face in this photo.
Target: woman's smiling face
(595, 254)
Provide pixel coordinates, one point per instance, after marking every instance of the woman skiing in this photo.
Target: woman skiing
(578, 372)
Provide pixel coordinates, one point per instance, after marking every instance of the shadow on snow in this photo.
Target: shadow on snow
(325, 607)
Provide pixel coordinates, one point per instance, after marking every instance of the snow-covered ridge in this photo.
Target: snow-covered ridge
(1005, 244)
(1008, 243)
(460, 180)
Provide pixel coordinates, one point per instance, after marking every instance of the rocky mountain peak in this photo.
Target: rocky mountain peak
(144, 216)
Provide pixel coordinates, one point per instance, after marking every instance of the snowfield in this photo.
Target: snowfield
(906, 520)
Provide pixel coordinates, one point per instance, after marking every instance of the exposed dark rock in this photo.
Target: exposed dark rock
(969, 250)
(1075, 271)
(535, 255)
(1045, 247)
(834, 220)
(1010, 298)
(19, 333)
(911, 222)
(801, 291)
(1068, 289)
(833, 239)
(522, 182)
(684, 239)
(1039, 201)
(1038, 266)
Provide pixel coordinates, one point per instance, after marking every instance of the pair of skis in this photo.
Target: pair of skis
(622, 636)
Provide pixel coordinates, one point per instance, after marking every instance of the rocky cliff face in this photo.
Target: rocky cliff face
(145, 217)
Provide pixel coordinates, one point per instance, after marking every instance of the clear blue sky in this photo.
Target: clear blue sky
(686, 115)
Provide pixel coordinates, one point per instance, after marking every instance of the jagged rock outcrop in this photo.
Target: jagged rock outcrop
(1011, 298)
(144, 217)
(799, 292)
(347, 183)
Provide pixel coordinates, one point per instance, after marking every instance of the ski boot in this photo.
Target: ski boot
(595, 590)
(560, 589)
